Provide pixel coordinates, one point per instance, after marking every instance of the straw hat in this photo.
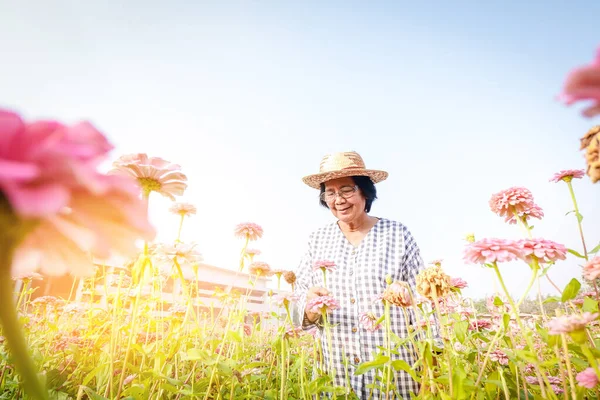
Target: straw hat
(339, 165)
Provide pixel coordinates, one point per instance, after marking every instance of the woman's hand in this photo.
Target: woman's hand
(313, 292)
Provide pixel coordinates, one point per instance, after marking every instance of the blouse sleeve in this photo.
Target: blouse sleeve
(303, 283)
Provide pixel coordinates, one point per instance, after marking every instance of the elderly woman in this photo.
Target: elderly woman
(365, 250)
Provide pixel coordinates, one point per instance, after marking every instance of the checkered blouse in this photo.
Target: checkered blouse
(388, 248)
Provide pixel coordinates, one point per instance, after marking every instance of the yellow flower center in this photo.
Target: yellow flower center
(149, 185)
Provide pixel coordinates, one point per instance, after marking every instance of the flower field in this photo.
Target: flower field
(138, 331)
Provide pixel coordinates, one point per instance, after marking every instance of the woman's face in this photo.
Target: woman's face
(348, 209)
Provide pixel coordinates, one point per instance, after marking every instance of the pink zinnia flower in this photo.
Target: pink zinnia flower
(253, 252)
(260, 268)
(513, 200)
(368, 320)
(248, 230)
(567, 175)
(183, 209)
(587, 378)
(324, 265)
(480, 324)
(591, 270)
(29, 276)
(570, 323)
(278, 272)
(583, 83)
(492, 250)
(398, 294)
(294, 331)
(545, 251)
(499, 356)
(153, 174)
(458, 283)
(49, 177)
(186, 254)
(322, 303)
(284, 299)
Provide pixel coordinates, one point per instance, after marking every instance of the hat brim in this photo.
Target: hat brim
(315, 180)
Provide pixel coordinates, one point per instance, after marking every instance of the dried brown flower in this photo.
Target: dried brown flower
(433, 283)
(591, 143)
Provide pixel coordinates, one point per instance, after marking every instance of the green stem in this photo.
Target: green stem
(531, 281)
(283, 369)
(568, 363)
(577, 215)
(179, 230)
(541, 376)
(12, 332)
(388, 347)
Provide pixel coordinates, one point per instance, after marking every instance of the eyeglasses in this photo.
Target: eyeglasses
(345, 191)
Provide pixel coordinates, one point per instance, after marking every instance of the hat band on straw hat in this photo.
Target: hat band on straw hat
(340, 165)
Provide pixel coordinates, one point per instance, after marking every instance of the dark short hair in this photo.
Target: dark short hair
(366, 186)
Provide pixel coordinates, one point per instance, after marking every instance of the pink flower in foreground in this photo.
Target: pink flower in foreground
(591, 270)
(322, 303)
(515, 200)
(183, 209)
(248, 230)
(492, 250)
(570, 323)
(583, 83)
(369, 321)
(544, 250)
(567, 175)
(49, 176)
(587, 378)
(42, 163)
(324, 265)
(260, 268)
(153, 174)
(458, 283)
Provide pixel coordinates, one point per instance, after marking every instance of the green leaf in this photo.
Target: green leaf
(551, 299)
(93, 395)
(579, 217)
(576, 254)
(571, 290)
(506, 320)
(369, 365)
(234, 336)
(590, 305)
(595, 249)
(193, 355)
(404, 366)
(460, 330)
(93, 374)
(498, 301)
(458, 378)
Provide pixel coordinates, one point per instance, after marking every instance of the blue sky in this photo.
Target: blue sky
(456, 102)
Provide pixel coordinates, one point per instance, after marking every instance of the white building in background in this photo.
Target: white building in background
(210, 283)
